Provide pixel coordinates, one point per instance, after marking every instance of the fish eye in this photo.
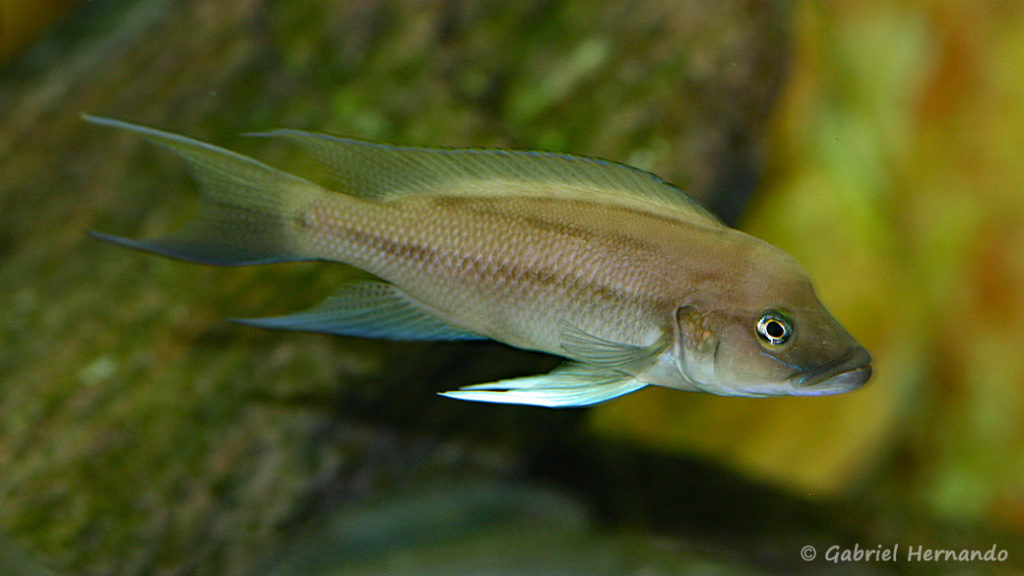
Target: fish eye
(774, 328)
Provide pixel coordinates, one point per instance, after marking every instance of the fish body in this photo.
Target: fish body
(608, 266)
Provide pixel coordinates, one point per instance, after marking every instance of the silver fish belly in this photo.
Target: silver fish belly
(587, 259)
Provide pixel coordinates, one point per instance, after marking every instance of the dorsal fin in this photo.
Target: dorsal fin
(382, 170)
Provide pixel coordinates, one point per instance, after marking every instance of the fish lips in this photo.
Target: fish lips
(846, 373)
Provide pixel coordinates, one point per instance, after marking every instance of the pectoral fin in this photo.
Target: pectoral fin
(369, 310)
(604, 353)
(569, 385)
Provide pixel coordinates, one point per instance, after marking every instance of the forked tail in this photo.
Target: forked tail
(249, 213)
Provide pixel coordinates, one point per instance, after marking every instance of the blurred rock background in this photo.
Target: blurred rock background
(140, 433)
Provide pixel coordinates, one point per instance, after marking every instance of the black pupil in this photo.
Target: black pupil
(775, 329)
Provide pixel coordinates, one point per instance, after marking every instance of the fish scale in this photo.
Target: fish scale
(464, 259)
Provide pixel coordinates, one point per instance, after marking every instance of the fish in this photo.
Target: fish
(615, 270)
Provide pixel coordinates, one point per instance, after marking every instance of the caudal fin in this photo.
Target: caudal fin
(249, 213)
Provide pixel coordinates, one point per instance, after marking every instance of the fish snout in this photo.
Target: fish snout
(844, 374)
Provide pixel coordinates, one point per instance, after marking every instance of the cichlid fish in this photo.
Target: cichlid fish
(606, 265)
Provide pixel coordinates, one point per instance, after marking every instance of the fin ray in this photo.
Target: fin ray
(601, 352)
(570, 385)
(380, 170)
(368, 309)
(248, 212)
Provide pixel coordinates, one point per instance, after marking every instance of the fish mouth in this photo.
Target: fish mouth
(846, 373)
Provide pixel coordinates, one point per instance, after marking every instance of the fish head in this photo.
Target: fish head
(764, 332)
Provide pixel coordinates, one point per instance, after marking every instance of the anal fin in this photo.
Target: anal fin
(368, 309)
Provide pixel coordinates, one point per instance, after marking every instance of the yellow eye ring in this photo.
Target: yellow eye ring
(774, 328)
